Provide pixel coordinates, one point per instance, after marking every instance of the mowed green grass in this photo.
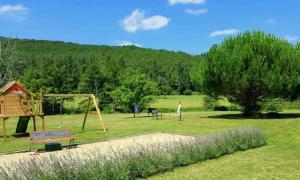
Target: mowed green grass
(193, 102)
(173, 101)
(118, 125)
(280, 159)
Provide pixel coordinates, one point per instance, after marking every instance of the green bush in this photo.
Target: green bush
(137, 161)
(220, 108)
(188, 92)
(209, 102)
(213, 103)
(175, 93)
(272, 105)
(234, 107)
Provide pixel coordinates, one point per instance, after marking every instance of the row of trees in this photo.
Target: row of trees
(112, 82)
(119, 76)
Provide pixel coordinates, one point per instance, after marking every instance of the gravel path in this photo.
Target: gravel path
(105, 147)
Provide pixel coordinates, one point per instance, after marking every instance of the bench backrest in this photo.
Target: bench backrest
(154, 111)
(52, 135)
(151, 109)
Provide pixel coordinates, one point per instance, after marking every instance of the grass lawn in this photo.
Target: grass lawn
(171, 102)
(280, 159)
(190, 103)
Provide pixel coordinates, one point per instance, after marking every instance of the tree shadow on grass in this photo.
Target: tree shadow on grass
(265, 116)
(145, 116)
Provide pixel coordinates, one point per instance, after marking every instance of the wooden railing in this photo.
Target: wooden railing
(37, 108)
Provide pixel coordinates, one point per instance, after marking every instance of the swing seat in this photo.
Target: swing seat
(52, 146)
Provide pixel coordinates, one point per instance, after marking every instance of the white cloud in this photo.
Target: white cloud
(224, 32)
(126, 43)
(137, 21)
(291, 39)
(173, 2)
(154, 22)
(196, 11)
(17, 12)
(11, 9)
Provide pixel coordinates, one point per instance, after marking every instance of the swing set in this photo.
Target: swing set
(92, 100)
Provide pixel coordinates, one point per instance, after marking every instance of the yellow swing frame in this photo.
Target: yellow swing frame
(92, 98)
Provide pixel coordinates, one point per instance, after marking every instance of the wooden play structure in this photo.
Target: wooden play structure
(17, 101)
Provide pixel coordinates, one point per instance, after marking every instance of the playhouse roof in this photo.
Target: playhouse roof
(10, 84)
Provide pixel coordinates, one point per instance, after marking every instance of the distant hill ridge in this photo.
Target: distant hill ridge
(29, 47)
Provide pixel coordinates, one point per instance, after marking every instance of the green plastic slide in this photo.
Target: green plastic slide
(22, 126)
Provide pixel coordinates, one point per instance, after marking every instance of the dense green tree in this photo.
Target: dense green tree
(112, 71)
(53, 75)
(159, 72)
(135, 89)
(251, 67)
(197, 75)
(295, 94)
(92, 81)
(184, 78)
(36, 76)
(70, 75)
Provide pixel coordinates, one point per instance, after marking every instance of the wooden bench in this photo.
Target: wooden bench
(51, 136)
(155, 113)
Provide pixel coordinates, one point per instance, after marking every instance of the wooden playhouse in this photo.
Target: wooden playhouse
(16, 101)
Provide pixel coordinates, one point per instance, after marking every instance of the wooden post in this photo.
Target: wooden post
(43, 122)
(34, 124)
(41, 111)
(3, 112)
(41, 102)
(4, 129)
(86, 113)
(98, 112)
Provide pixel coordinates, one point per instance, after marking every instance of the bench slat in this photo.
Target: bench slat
(50, 140)
(48, 136)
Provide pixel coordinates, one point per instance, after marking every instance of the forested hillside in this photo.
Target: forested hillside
(61, 67)
(132, 54)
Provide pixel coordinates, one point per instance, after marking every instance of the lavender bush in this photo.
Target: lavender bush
(136, 161)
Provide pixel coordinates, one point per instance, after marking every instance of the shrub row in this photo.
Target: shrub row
(137, 161)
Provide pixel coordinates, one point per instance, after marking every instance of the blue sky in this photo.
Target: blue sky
(192, 26)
